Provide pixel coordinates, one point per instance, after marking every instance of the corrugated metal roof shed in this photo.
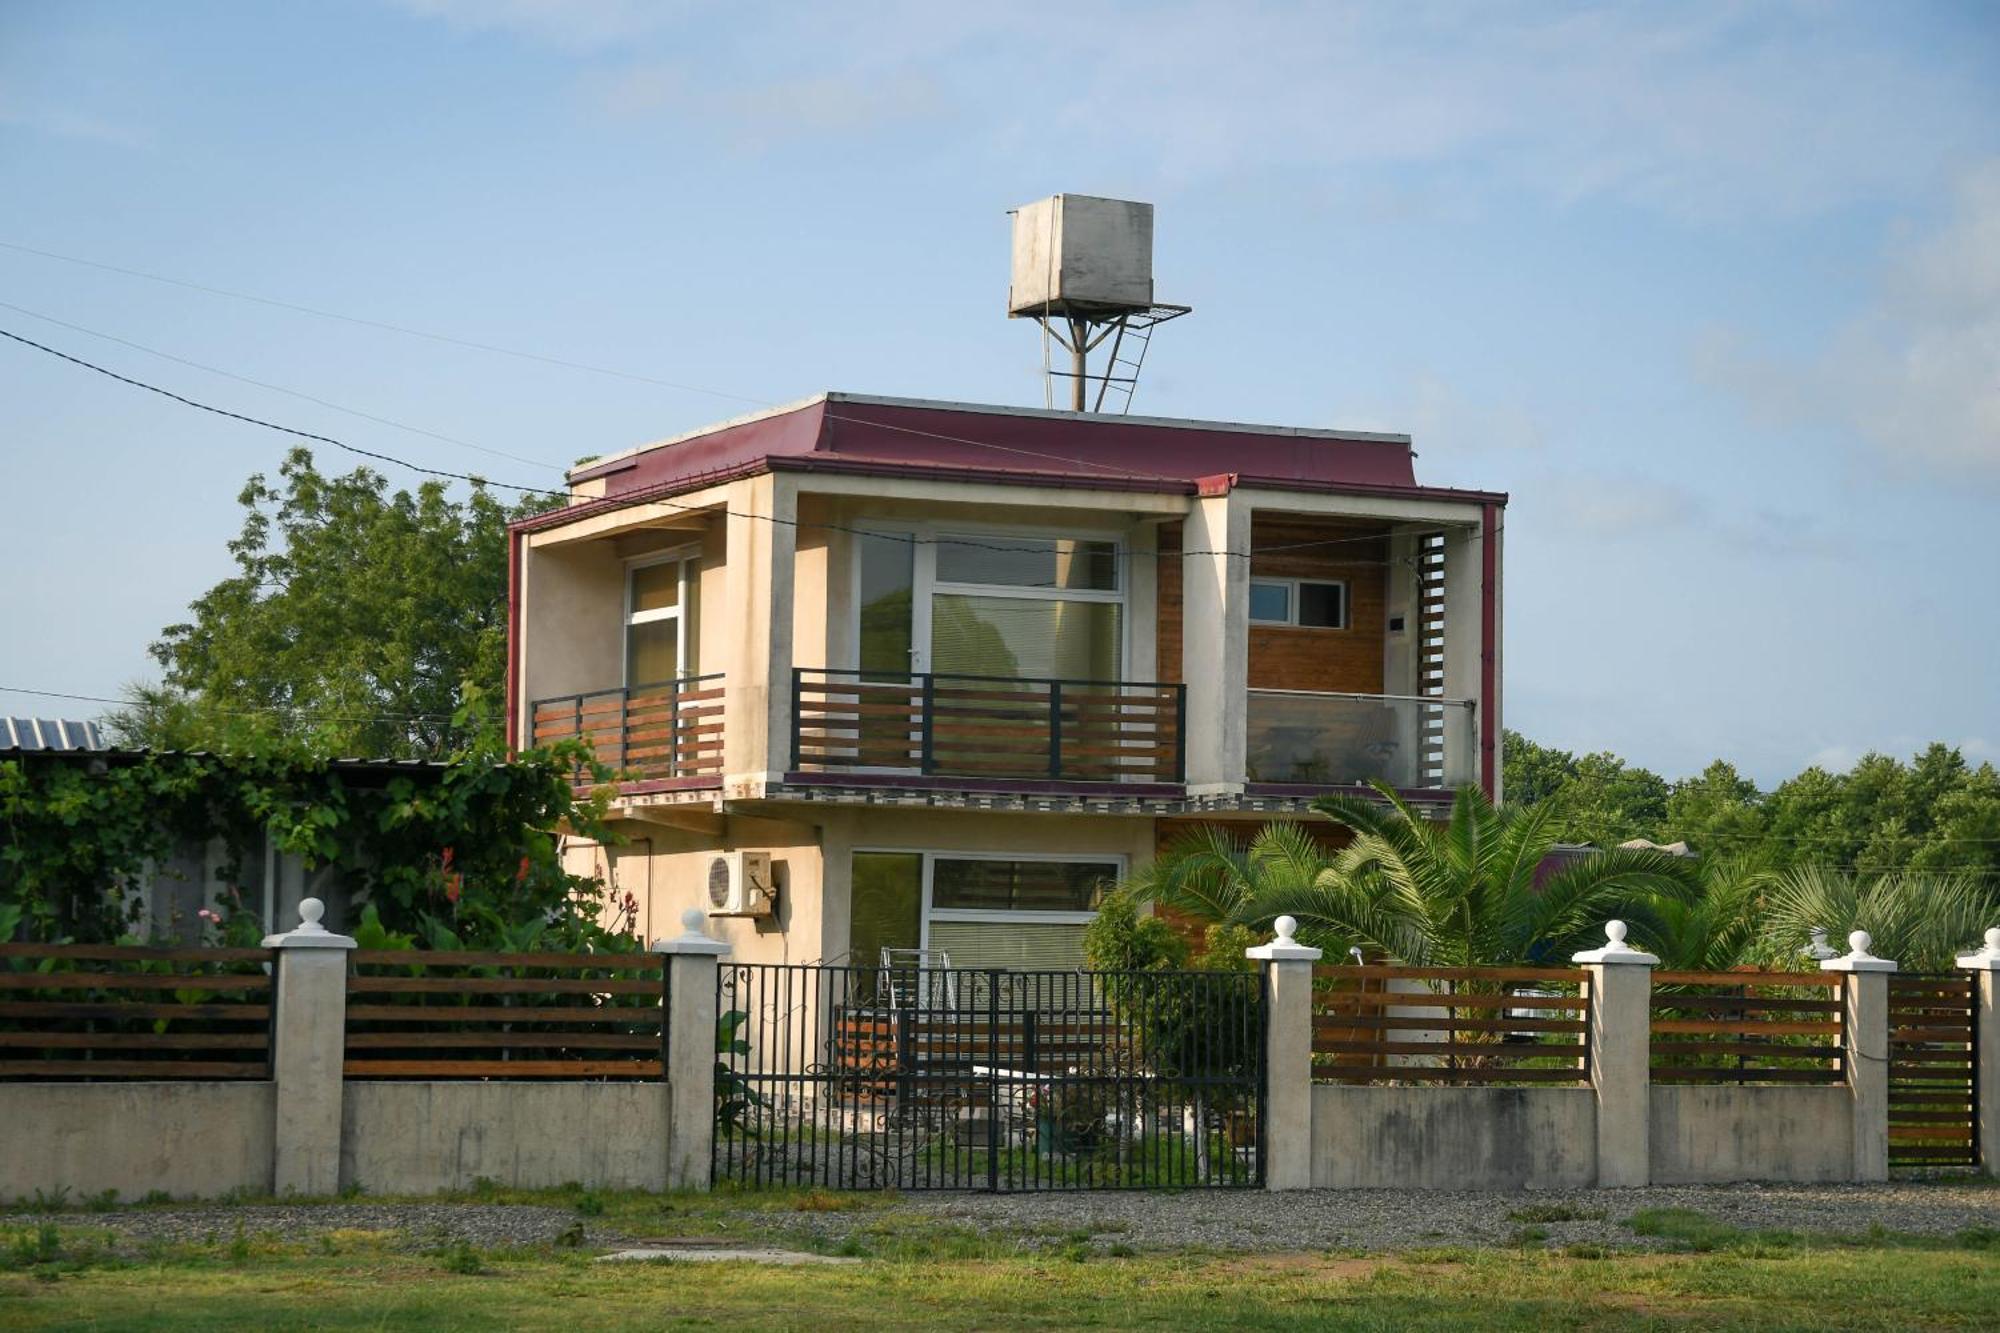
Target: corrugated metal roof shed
(44, 733)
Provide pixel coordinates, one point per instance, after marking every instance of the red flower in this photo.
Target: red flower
(521, 873)
(447, 858)
(451, 885)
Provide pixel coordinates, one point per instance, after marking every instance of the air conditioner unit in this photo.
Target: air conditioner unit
(739, 884)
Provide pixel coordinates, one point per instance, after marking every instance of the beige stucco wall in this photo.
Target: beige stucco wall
(1708, 1135)
(811, 847)
(572, 621)
(419, 1138)
(193, 1140)
(573, 607)
(1453, 1138)
(875, 829)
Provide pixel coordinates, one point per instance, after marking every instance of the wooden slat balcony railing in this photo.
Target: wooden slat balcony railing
(989, 726)
(669, 730)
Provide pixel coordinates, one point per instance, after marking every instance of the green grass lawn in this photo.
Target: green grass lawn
(919, 1275)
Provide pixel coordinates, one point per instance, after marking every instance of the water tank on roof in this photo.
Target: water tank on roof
(1076, 254)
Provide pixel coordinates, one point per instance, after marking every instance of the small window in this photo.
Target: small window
(1018, 886)
(1323, 605)
(1029, 562)
(1302, 602)
(1270, 603)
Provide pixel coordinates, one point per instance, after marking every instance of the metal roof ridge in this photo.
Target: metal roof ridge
(1119, 419)
(747, 418)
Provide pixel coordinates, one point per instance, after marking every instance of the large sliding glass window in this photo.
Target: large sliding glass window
(992, 605)
(662, 621)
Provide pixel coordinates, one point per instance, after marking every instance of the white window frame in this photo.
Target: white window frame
(925, 584)
(1291, 620)
(927, 865)
(686, 557)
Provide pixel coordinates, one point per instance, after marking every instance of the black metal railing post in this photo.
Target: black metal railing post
(674, 727)
(576, 730)
(1055, 729)
(798, 696)
(1180, 733)
(624, 725)
(993, 1081)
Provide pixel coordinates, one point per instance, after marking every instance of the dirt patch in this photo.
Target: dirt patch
(1347, 1269)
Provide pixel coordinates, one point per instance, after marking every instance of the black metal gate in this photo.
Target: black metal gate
(973, 1079)
(1933, 1091)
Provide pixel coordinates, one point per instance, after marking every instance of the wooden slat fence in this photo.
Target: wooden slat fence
(109, 1011)
(1932, 1106)
(982, 726)
(1451, 1025)
(671, 730)
(1747, 1027)
(438, 1015)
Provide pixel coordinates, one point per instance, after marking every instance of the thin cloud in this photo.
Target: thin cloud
(1710, 111)
(1915, 376)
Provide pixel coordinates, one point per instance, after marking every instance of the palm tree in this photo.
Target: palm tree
(1210, 875)
(1920, 920)
(1715, 930)
(1464, 893)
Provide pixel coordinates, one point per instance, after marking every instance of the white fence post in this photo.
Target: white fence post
(1621, 1036)
(1985, 967)
(1288, 1035)
(693, 958)
(308, 1043)
(1864, 1038)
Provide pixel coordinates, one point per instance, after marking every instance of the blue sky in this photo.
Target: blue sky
(1712, 289)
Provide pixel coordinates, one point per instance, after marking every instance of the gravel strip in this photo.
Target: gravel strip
(1406, 1219)
(1233, 1220)
(419, 1225)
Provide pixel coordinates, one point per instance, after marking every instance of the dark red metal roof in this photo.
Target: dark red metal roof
(884, 436)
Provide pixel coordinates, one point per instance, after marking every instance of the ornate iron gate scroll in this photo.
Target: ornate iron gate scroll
(971, 1079)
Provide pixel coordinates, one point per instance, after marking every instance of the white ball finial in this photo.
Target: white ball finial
(310, 911)
(693, 920)
(1287, 927)
(1861, 942)
(1993, 940)
(1615, 931)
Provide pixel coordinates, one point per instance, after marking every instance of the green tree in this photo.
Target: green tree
(1597, 798)
(1719, 813)
(353, 617)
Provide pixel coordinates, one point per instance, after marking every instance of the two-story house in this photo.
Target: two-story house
(952, 667)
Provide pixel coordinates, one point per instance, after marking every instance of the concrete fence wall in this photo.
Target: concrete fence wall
(1621, 1129)
(308, 1130)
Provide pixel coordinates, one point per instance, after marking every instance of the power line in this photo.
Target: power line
(633, 502)
(384, 325)
(560, 361)
(254, 710)
(274, 388)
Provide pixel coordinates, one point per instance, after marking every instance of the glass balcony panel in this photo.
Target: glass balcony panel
(1341, 739)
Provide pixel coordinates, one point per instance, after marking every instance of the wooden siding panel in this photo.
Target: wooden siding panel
(1287, 657)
